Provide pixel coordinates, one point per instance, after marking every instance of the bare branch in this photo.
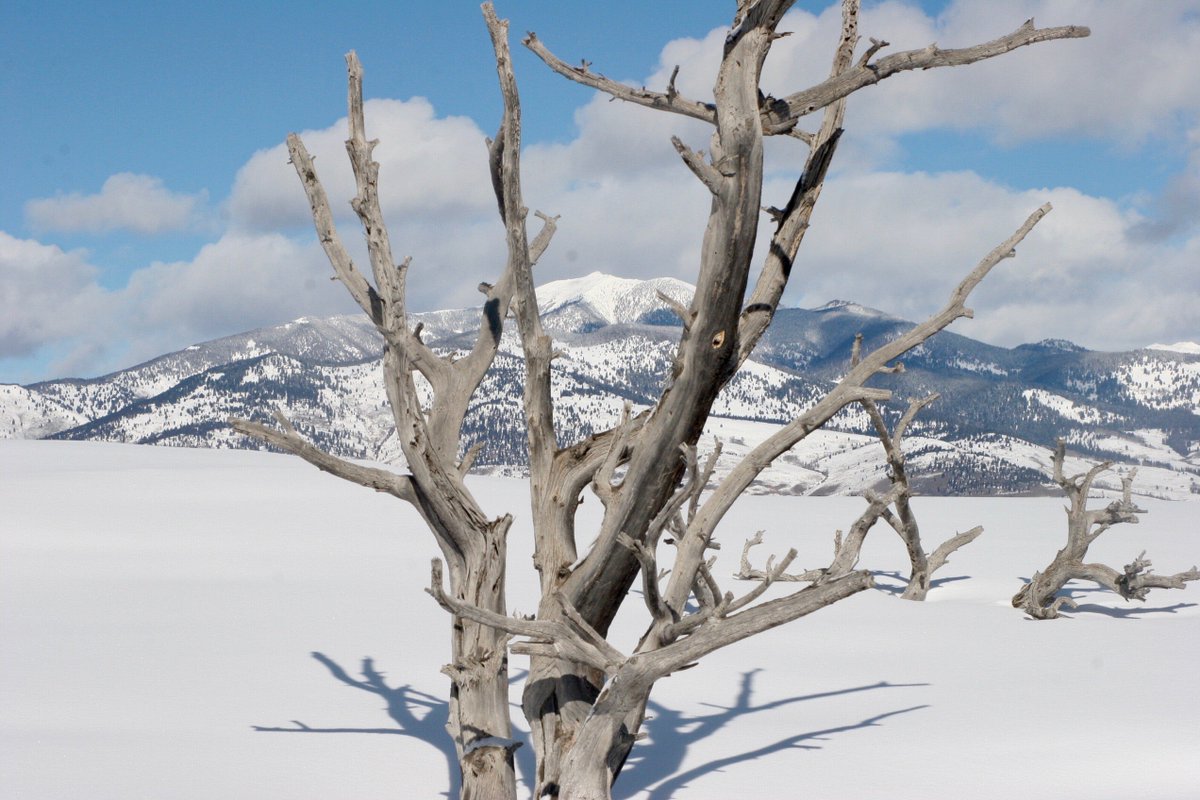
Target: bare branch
(289, 441)
(685, 316)
(938, 558)
(1137, 580)
(746, 572)
(389, 280)
(793, 219)
(542, 240)
(706, 172)
(773, 574)
(468, 458)
(671, 100)
(343, 266)
(784, 114)
(707, 638)
(876, 46)
(710, 466)
(847, 554)
(602, 483)
(659, 611)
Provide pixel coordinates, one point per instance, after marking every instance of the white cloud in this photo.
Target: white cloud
(237, 283)
(430, 167)
(138, 203)
(901, 242)
(1132, 79)
(50, 301)
(895, 240)
(46, 295)
(1129, 83)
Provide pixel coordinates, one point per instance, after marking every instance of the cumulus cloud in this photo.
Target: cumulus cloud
(46, 295)
(900, 242)
(50, 301)
(1131, 80)
(430, 167)
(138, 203)
(240, 282)
(882, 237)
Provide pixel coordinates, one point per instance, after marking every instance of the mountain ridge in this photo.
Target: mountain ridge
(999, 413)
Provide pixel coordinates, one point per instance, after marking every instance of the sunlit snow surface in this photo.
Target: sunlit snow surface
(157, 604)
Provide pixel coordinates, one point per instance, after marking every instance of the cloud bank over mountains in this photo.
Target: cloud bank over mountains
(1112, 270)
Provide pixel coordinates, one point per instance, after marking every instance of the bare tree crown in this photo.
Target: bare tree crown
(584, 700)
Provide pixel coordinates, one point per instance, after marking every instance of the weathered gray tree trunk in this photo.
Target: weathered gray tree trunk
(721, 327)
(1039, 598)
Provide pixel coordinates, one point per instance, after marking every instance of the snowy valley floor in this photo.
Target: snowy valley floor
(179, 624)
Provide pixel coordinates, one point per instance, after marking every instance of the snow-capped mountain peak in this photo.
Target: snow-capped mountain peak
(851, 308)
(610, 299)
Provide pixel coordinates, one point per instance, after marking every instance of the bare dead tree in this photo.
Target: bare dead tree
(1039, 598)
(848, 550)
(904, 521)
(472, 545)
(723, 324)
(585, 699)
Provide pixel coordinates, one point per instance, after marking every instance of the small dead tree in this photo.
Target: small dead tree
(904, 521)
(848, 550)
(585, 699)
(1039, 598)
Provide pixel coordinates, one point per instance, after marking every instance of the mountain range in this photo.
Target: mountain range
(999, 413)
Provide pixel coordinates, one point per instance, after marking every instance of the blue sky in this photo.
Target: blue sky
(144, 204)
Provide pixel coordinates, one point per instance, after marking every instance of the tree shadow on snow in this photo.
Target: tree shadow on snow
(417, 714)
(902, 582)
(1126, 613)
(671, 733)
(1079, 593)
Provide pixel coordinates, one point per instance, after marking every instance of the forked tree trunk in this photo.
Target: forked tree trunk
(922, 565)
(720, 328)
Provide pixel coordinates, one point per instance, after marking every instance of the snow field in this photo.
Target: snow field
(156, 603)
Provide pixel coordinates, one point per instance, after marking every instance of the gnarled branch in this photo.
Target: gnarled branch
(1039, 598)
(671, 100)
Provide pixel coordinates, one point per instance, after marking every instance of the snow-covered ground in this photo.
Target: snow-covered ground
(193, 624)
